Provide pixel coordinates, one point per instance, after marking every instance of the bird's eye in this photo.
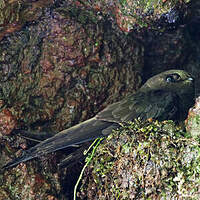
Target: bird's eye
(173, 78)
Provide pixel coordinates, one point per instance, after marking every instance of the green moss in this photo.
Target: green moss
(195, 126)
(144, 160)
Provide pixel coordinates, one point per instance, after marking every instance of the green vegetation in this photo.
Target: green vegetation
(144, 160)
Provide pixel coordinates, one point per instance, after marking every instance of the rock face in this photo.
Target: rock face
(61, 62)
(16, 13)
(63, 68)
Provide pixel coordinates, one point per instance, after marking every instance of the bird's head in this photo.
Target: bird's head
(178, 81)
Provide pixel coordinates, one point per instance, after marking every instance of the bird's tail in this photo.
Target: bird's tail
(77, 134)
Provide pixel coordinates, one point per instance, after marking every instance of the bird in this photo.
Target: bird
(165, 96)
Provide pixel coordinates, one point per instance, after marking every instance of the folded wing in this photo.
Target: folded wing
(155, 104)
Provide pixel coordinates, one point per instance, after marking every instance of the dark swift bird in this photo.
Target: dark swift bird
(167, 95)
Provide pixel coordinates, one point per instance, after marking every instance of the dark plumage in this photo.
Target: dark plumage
(167, 95)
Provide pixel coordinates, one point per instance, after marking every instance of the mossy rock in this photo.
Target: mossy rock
(144, 160)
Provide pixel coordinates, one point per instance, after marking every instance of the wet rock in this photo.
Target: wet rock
(15, 14)
(62, 69)
(55, 72)
(136, 15)
(61, 63)
(7, 122)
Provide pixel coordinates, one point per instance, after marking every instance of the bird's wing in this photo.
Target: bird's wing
(85, 131)
(156, 104)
